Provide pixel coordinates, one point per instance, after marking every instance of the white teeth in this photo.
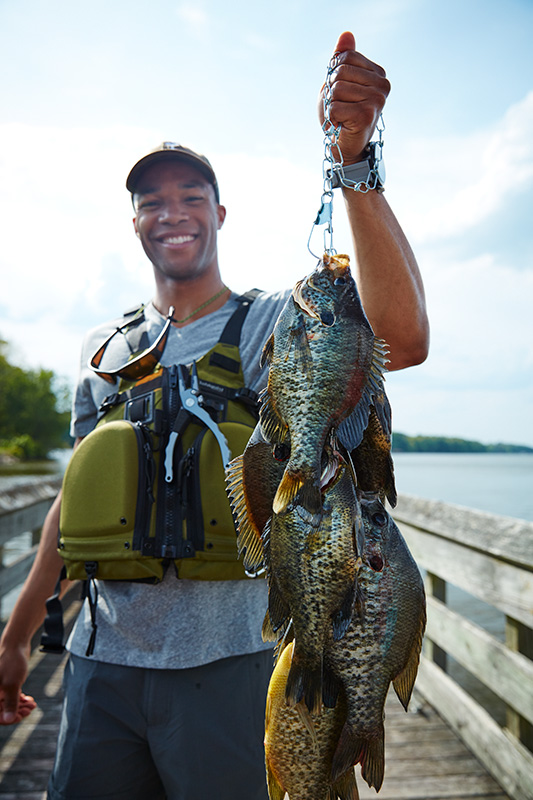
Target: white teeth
(177, 239)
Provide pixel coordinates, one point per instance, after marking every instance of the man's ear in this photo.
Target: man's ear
(221, 214)
(135, 226)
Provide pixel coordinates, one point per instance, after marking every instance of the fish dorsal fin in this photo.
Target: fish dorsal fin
(351, 430)
(249, 541)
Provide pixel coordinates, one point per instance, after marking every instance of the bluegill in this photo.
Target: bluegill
(252, 479)
(299, 747)
(325, 366)
(311, 571)
(382, 643)
(372, 459)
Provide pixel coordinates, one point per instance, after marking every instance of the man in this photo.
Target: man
(171, 703)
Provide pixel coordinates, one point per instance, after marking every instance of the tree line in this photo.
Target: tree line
(34, 411)
(442, 444)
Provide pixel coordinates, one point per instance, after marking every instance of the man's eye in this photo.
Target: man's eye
(194, 199)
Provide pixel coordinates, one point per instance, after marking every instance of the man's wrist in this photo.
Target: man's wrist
(363, 175)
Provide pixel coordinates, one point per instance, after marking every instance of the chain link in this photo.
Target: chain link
(334, 165)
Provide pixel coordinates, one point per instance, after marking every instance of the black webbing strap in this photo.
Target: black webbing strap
(53, 632)
(232, 332)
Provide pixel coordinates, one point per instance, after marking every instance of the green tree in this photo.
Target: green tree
(31, 424)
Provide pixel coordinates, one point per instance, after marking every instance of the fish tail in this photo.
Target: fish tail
(353, 749)
(304, 683)
(346, 787)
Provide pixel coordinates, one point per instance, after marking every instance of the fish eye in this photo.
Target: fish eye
(376, 563)
(379, 518)
(339, 281)
(281, 452)
(327, 318)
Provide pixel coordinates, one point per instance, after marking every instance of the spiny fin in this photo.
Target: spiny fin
(249, 539)
(268, 351)
(273, 428)
(293, 488)
(404, 682)
(346, 787)
(342, 618)
(368, 751)
(304, 683)
(268, 633)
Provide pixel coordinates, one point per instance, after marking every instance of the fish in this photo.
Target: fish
(372, 459)
(381, 645)
(299, 747)
(311, 569)
(252, 479)
(325, 367)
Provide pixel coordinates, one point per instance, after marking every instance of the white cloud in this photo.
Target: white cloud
(194, 15)
(450, 184)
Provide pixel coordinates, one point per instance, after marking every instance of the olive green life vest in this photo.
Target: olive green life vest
(132, 505)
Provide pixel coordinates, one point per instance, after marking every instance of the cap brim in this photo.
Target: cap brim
(168, 155)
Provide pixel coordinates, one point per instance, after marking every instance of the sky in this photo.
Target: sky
(88, 88)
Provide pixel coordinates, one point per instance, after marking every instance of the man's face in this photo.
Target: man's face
(177, 219)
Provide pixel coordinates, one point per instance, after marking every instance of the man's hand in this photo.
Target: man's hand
(359, 89)
(14, 704)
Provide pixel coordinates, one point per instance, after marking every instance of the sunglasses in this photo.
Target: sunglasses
(139, 366)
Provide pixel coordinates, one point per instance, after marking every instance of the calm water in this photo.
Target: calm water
(501, 483)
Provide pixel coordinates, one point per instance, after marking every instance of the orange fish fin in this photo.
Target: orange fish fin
(293, 488)
(273, 428)
(249, 541)
(404, 682)
(268, 351)
(275, 789)
(368, 751)
(346, 787)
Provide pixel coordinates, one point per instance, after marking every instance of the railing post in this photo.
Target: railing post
(436, 587)
(520, 639)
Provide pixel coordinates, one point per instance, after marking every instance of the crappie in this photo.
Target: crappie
(325, 367)
(252, 480)
(382, 643)
(299, 747)
(311, 573)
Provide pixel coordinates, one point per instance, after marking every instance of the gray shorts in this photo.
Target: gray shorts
(149, 734)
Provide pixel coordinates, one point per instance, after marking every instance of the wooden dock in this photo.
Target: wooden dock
(447, 747)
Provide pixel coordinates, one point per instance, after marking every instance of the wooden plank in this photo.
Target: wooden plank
(505, 758)
(507, 674)
(29, 518)
(503, 585)
(507, 538)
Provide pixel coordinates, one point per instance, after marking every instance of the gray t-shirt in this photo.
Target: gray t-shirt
(177, 623)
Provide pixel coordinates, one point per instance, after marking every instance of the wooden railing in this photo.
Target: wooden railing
(491, 558)
(22, 510)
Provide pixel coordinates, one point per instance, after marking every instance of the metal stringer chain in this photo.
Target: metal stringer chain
(335, 166)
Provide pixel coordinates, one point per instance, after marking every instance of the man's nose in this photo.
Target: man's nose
(173, 212)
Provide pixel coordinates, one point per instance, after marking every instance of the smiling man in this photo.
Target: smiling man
(165, 697)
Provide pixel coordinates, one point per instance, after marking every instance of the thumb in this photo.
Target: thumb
(346, 41)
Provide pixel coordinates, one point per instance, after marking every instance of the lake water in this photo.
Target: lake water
(501, 483)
